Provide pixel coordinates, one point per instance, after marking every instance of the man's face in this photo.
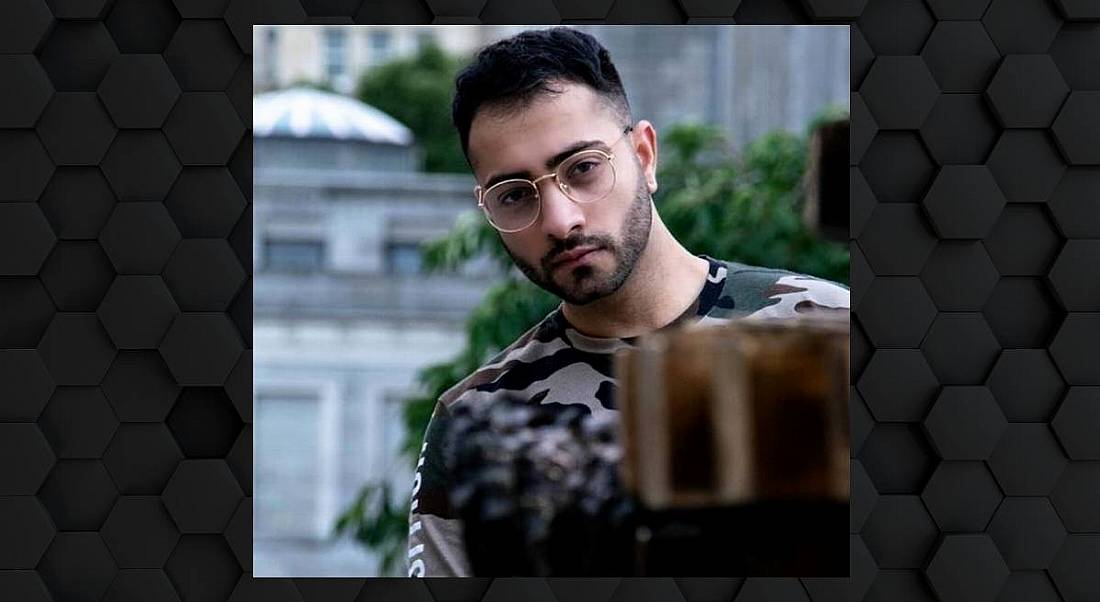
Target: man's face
(615, 229)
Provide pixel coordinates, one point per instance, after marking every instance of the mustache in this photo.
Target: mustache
(568, 244)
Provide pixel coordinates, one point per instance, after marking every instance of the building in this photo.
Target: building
(343, 316)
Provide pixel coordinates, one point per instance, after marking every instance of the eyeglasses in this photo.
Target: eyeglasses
(585, 177)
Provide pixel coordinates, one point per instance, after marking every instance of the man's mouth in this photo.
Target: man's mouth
(572, 257)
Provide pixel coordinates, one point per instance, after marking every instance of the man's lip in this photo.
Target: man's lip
(572, 254)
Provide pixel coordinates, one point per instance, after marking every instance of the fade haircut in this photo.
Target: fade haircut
(511, 73)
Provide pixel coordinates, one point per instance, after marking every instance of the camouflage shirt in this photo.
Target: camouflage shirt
(554, 363)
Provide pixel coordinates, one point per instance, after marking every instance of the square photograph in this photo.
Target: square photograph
(551, 301)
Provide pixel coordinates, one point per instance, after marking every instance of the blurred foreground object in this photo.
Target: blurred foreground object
(729, 457)
(826, 182)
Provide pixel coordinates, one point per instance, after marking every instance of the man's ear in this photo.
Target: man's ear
(645, 145)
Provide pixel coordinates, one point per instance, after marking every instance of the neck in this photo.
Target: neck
(666, 280)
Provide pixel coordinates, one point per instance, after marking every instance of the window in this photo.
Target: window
(336, 53)
(294, 255)
(286, 460)
(381, 46)
(403, 258)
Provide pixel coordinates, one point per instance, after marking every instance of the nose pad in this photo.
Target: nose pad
(560, 213)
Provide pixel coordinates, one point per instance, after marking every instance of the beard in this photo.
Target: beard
(585, 283)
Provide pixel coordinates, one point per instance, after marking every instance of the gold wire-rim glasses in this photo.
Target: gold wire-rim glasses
(480, 193)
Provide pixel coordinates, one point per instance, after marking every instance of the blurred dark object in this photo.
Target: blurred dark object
(826, 183)
(736, 464)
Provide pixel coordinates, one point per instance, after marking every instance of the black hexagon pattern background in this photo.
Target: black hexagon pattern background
(125, 186)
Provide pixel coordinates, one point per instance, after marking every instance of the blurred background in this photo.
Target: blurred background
(378, 284)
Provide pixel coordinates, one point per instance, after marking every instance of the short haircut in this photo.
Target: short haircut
(513, 72)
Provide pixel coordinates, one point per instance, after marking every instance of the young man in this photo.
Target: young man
(566, 176)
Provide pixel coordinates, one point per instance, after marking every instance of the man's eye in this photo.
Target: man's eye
(583, 167)
(513, 197)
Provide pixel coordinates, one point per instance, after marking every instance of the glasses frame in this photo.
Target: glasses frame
(480, 192)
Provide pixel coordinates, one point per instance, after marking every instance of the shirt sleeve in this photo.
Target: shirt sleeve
(436, 547)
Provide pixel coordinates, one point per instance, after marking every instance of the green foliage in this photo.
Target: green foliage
(744, 208)
(417, 92)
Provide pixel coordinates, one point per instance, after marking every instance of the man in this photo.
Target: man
(566, 175)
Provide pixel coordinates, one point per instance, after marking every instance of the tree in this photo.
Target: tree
(744, 207)
(417, 92)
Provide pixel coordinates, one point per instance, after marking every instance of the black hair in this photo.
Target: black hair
(511, 73)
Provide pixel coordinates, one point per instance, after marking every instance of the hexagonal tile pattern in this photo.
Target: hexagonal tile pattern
(203, 55)
(25, 239)
(159, 90)
(897, 458)
(25, 311)
(964, 201)
(864, 497)
(78, 422)
(835, 9)
(897, 167)
(959, 276)
(958, 10)
(860, 348)
(1077, 422)
(76, 349)
(896, 312)
(1026, 165)
(204, 422)
(1077, 496)
(140, 26)
(77, 274)
(967, 567)
(898, 385)
(1022, 313)
(26, 168)
(202, 495)
(77, 202)
(1076, 347)
(1026, 384)
(201, 349)
(240, 459)
(276, 590)
(77, 54)
(240, 165)
(203, 274)
(965, 423)
(960, 348)
(1021, 26)
(1027, 460)
(26, 529)
(206, 555)
(141, 166)
(140, 387)
(895, 27)
(139, 532)
(1073, 50)
(1027, 91)
(1073, 569)
(960, 56)
(754, 588)
(139, 238)
(860, 273)
(78, 9)
(144, 584)
(961, 496)
(25, 385)
(1028, 532)
(137, 311)
(211, 9)
(205, 202)
(1078, 127)
(1072, 205)
(239, 533)
(1079, 9)
(25, 74)
(78, 494)
(896, 239)
(861, 56)
(76, 129)
(1029, 586)
(204, 128)
(863, 129)
(24, 586)
(239, 387)
(960, 130)
(1024, 242)
(23, 23)
(861, 202)
(899, 91)
(899, 533)
(141, 458)
(77, 566)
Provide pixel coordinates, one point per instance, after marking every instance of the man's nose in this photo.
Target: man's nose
(560, 214)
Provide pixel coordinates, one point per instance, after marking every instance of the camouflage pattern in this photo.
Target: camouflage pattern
(554, 364)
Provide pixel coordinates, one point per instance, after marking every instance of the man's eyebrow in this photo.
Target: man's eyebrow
(551, 163)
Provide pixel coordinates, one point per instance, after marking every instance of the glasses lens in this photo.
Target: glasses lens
(587, 176)
(512, 205)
